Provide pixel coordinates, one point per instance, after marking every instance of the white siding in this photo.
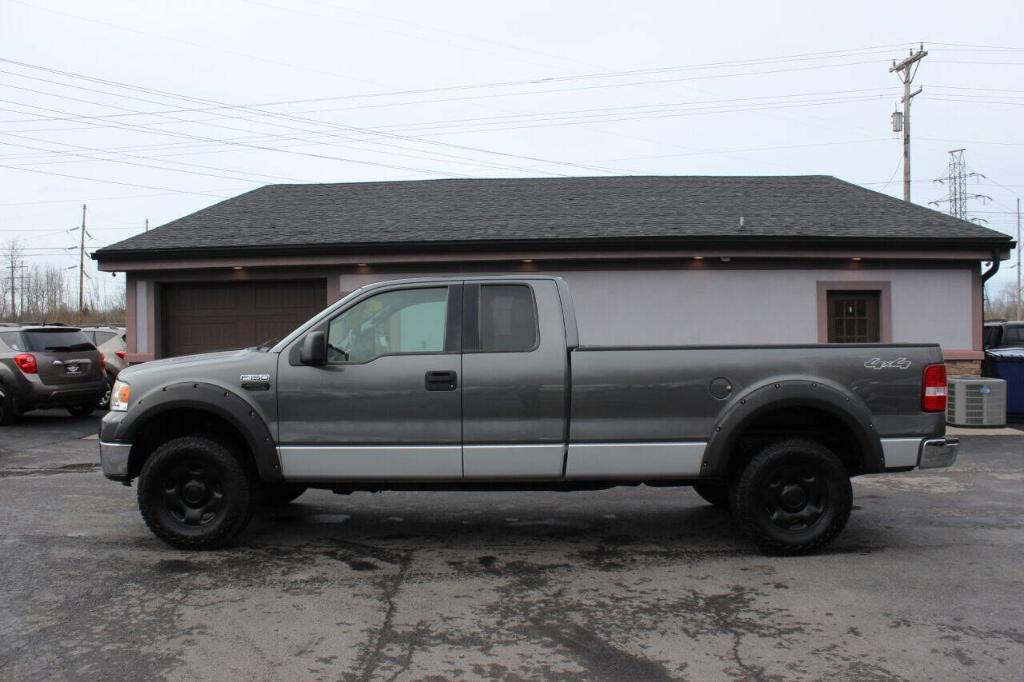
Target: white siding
(707, 305)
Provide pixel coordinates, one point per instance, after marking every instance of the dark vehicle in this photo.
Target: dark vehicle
(1004, 334)
(482, 384)
(48, 366)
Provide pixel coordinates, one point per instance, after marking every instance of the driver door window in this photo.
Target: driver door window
(393, 322)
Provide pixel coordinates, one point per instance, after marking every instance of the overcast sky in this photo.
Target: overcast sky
(339, 91)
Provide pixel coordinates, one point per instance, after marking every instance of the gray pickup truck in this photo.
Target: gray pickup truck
(481, 383)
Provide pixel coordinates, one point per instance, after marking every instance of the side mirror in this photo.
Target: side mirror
(314, 349)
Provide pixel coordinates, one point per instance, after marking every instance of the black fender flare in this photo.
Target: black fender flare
(791, 392)
(211, 398)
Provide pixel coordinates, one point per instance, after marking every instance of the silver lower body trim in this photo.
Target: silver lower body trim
(371, 463)
(114, 460)
(520, 462)
(939, 452)
(634, 461)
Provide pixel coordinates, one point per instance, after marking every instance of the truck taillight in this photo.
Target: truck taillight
(119, 353)
(26, 362)
(934, 389)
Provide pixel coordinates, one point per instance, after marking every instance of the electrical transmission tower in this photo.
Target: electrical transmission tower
(956, 182)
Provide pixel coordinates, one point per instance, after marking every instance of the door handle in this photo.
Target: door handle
(441, 381)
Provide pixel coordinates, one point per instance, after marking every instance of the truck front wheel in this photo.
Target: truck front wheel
(194, 494)
(794, 497)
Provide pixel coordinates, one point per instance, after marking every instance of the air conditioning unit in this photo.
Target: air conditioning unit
(976, 401)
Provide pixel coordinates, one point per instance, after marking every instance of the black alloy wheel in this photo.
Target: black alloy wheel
(193, 492)
(794, 497)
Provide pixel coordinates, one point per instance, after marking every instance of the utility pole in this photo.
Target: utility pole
(1018, 260)
(14, 309)
(906, 71)
(21, 297)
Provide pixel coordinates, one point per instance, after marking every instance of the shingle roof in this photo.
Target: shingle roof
(590, 209)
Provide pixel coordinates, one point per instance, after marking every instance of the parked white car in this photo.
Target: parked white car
(112, 342)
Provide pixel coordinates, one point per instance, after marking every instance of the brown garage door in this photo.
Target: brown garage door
(206, 316)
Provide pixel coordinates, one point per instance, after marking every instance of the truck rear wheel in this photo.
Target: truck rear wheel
(194, 494)
(794, 497)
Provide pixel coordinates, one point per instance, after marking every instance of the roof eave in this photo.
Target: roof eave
(758, 243)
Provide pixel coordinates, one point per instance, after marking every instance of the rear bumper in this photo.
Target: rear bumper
(938, 452)
(114, 460)
(41, 395)
(904, 454)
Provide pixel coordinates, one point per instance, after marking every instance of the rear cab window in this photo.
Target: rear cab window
(508, 318)
(57, 340)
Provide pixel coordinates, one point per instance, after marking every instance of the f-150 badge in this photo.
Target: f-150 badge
(879, 363)
(255, 382)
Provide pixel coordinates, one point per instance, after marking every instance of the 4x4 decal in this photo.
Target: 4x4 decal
(879, 363)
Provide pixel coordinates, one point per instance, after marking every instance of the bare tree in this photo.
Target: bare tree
(12, 262)
(1003, 304)
(43, 293)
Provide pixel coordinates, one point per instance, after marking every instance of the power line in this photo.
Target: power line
(111, 182)
(277, 115)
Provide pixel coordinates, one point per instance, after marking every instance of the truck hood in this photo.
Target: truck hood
(195, 366)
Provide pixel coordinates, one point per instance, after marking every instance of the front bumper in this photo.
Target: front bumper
(938, 452)
(114, 460)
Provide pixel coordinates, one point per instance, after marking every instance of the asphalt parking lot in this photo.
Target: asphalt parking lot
(926, 582)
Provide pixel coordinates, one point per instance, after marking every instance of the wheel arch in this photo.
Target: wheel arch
(192, 408)
(751, 408)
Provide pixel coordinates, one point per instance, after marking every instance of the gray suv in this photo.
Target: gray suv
(48, 366)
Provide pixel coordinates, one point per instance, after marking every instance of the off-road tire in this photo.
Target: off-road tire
(194, 494)
(82, 410)
(713, 492)
(278, 494)
(794, 497)
(8, 413)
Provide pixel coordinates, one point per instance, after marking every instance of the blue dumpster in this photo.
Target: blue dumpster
(1008, 365)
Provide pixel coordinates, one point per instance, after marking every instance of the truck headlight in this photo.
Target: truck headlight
(120, 395)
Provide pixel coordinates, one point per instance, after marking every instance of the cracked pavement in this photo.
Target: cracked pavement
(641, 583)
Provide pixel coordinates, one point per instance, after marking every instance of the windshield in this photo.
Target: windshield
(57, 340)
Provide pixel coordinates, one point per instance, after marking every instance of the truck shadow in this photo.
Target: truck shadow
(609, 528)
